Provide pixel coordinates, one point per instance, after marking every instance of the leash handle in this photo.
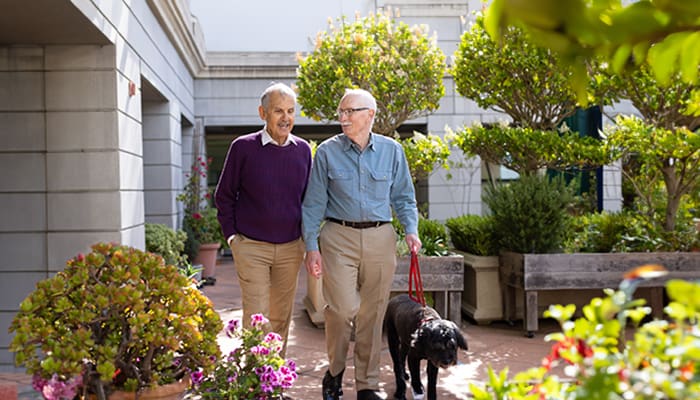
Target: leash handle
(414, 279)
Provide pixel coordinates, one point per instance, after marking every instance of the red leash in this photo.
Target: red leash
(414, 279)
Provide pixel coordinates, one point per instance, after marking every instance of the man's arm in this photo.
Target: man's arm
(225, 194)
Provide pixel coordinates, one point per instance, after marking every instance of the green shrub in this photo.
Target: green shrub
(432, 234)
(628, 232)
(530, 214)
(166, 242)
(473, 234)
(598, 232)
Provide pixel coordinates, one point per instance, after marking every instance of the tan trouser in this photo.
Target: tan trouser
(359, 266)
(267, 274)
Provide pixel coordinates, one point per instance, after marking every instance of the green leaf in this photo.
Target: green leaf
(663, 57)
(690, 57)
(620, 58)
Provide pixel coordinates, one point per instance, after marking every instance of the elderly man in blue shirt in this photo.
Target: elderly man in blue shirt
(356, 179)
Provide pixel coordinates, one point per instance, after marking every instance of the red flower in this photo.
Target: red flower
(197, 216)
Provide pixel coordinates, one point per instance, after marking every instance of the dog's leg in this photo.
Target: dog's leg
(432, 381)
(416, 385)
(399, 360)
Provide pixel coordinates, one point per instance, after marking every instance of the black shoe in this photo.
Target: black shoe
(209, 281)
(368, 394)
(333, 386)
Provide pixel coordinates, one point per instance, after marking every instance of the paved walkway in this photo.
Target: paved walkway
(497, 344)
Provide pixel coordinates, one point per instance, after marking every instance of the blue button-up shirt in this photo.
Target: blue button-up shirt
(353, 185)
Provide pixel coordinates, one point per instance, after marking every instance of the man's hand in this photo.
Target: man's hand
(314, 263)
(414, 244)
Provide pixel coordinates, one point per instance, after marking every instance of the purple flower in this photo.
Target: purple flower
(261, 350)
(56, 389)
(197, 377)
(232, 327)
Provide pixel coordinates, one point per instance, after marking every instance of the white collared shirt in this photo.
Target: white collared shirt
(266, 138)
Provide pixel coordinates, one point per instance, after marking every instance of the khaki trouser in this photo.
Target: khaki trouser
(267, 274)
(359, 266)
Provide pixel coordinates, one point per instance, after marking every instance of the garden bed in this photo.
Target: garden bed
(533, 273)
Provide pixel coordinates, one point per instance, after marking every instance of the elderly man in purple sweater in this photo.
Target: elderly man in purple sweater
(259, 197)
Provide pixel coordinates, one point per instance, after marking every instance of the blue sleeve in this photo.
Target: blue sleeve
(403, 194)
(313, 209)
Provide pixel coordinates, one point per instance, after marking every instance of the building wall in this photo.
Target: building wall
(73, 144)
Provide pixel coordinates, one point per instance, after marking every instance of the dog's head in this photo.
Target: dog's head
(438, 340)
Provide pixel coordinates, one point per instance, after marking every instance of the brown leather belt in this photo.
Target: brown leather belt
(358, 225)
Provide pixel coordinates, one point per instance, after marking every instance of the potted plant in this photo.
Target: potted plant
(200, 223)
(254, 369)
(115, 319)
(473, 237)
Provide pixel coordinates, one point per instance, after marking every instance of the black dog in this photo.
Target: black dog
(419, 333)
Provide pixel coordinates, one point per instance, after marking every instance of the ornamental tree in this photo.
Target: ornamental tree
(660, 151)
(515, 77)
(524, 81)
(400, 65)
(653, 156)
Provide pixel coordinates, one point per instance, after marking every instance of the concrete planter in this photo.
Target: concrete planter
(482, 299)
(535, 273)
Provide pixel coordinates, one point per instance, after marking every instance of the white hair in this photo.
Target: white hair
(369, 100)
(279, 88)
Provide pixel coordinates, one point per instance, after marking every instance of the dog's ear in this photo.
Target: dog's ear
(461, 341)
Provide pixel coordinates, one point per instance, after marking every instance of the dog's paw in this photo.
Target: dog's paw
(417, 396)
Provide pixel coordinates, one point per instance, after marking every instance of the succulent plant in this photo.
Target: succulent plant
(116, 318)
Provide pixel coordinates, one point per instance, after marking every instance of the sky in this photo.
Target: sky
(269, 25)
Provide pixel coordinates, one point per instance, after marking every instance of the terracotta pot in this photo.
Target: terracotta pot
(172, 391)
(206, 256)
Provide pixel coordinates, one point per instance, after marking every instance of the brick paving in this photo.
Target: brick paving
(498, 344)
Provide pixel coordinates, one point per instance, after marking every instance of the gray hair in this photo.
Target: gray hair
(369, 100)
(279, 88)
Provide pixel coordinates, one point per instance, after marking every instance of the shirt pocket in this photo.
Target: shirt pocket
(380, 184)
(340, 182)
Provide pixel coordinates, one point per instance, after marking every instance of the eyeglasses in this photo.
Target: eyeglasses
(348, 112)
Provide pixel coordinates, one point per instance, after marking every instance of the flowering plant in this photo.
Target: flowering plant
(254, 370)
(598, 359)
(200, 220)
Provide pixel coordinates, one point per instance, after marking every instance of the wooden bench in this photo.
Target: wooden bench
(533, 273)
(443, 276)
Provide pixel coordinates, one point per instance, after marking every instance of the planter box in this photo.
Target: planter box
(532, 273)
(482, 299)
(443, 275)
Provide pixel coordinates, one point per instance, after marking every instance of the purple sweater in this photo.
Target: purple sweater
(261, 188)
